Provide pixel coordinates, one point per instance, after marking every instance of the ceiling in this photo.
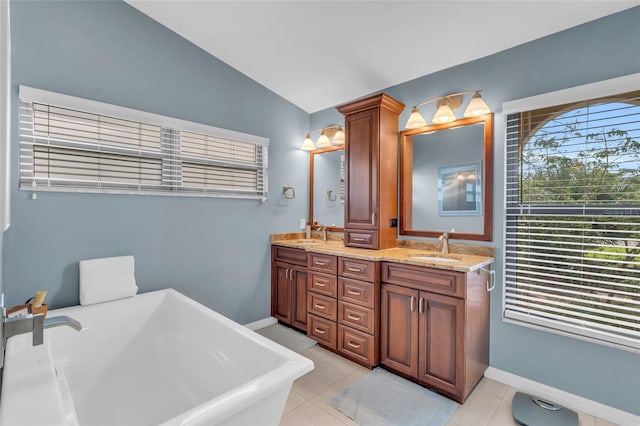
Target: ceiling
(317, 54)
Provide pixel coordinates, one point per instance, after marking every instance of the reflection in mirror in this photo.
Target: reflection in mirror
(446, 177)
(326, 187)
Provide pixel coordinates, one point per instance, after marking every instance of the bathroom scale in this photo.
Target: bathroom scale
(530, 410)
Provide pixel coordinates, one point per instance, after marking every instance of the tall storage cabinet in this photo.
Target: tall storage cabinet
(371, 155)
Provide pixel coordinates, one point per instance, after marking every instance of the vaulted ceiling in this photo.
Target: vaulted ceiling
(317, 54)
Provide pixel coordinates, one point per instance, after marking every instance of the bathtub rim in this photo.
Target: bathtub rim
(219, 408)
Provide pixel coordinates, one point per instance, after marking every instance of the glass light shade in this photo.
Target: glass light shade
(476, 106)
(444, 114)
(323, 141)
(338, 138)
(415, 120)
(307, 145)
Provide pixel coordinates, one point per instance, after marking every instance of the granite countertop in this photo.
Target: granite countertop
(461, 257)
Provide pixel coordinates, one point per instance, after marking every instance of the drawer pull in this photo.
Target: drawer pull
(413, 303)
(354, 269)
(353, 317)
(421, 305)
(355, 293)
(321, 263)
(320, 306)
(353, 345)
(318, 284)
(319, 330)
(358, 239)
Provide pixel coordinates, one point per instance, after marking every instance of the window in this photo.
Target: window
(73, 144)
(572, 249)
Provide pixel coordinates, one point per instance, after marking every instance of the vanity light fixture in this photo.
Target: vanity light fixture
(329, 135)
(445, 107)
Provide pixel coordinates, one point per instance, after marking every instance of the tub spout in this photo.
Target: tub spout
(62, 320)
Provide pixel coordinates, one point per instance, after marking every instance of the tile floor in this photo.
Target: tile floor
(488, 405)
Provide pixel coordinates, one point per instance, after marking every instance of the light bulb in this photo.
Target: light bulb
(476, 106)
(444, 114)
(415, 120)
(307, 145)
(339, 138)
(323, 141)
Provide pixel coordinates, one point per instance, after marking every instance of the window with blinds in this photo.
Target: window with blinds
(72, 144)
(573, 219)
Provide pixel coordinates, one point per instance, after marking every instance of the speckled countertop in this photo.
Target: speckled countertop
(461, 257)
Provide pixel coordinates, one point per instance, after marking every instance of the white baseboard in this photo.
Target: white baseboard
(569, 400)
(257, 325)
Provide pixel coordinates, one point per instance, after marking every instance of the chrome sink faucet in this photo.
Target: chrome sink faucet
(323, 229)
(445, 242)
(34, 324)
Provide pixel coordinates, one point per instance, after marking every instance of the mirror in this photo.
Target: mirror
(326, 187)
(446, 177)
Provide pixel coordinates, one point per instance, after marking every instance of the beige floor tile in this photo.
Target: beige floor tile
(322, 400)
(503, 416)
(492, 387)
(601, 422)
(586, 419)
(329, 368)
(293, 401)
(477, 410)
(309, 414)
(509, 393)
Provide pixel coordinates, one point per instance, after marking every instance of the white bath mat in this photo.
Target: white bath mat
(384, 399)
(287, 337)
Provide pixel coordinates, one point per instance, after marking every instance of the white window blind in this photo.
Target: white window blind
(572, 252)
(72, 144)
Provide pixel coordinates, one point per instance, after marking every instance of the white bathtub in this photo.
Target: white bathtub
(155, 359)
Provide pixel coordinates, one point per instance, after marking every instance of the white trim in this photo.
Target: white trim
(567, 399)
(265, 322)
(5, 115)
(574, 94)
(30, 94)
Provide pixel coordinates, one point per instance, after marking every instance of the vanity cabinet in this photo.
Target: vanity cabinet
(359, 310)
(371, 173)
(435, 326)
(322, 303)
(289, 286)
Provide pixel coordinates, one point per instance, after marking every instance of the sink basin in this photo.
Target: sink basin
(434, 257)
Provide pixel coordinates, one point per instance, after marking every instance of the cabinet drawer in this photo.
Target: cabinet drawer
(322, 330)
(323, 263)
(363, 239)
(322, 305)
(357, 292)
(440, 281)
(357, 317)
(357, 345)
(359, 269)
(323, 284)
(289, 255)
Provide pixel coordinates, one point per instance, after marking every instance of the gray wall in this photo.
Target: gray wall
(599, 50)
(214, 250)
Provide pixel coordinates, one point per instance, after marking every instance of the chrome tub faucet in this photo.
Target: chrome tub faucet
(35, 324)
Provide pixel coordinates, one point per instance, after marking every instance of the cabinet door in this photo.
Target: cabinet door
(299, 298)
(362, 169)
(281, 291)
(399, 329)
(440, 341)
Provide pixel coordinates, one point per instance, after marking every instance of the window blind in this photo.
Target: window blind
(71, 144)
(572, 249)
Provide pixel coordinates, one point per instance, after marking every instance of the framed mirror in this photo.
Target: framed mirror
(326, 187)
(446, 178)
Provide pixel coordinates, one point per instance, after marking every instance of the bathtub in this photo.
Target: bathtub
(158, 358)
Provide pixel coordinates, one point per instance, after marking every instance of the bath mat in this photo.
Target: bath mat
(384, 399)
(287, 337)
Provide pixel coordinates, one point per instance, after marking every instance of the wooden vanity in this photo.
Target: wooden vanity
(425, 320)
